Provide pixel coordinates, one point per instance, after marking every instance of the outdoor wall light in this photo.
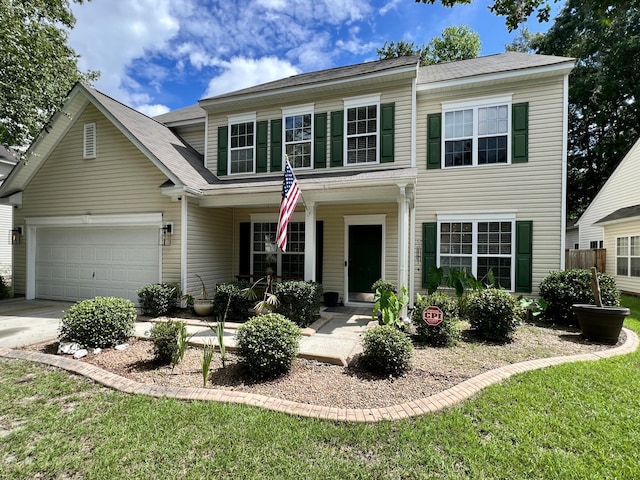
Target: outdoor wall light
(15, 235)
(165, 234)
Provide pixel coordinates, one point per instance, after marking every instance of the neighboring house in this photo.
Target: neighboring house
(573, 236)
(401, 167)
(7, 162)
(612, 221)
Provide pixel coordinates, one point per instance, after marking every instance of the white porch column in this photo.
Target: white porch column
(403, 238)
(310, 241)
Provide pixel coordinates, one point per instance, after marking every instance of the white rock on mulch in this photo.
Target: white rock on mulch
(68, 348)
(80, 353)
(124, 346)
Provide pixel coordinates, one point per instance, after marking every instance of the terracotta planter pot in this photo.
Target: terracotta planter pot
(601, 324)
(203, 307)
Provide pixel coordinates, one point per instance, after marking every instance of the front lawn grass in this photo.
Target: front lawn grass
(572, 421)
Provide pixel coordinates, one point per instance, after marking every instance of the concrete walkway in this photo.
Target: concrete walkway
(346, 334)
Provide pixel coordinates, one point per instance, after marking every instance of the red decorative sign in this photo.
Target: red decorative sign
(432, 315)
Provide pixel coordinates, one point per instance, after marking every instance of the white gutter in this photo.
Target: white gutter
(565, 143)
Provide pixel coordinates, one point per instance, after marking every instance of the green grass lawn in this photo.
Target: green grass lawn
(572, 421)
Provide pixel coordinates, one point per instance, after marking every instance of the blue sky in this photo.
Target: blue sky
(160, 55)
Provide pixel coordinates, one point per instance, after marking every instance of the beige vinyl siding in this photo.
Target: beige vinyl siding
(194, 135)
(611, 233)
(120, 180)
(334, 238)
(621, 190)
(210, 244)
(398, 94)
(532, 190)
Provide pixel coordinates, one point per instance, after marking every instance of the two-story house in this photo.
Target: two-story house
(401, 167)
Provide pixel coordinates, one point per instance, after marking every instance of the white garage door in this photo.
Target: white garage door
(84, 262)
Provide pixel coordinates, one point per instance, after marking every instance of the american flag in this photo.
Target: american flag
(290, 195)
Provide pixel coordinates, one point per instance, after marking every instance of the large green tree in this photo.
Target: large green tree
(604, 90)
(38, 66)
(517, 12)
(455, 43)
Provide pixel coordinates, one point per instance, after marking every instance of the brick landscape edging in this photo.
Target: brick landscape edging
(432, 403)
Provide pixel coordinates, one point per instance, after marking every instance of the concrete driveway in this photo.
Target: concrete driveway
(23, 322)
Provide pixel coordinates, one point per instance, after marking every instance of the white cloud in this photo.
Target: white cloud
(391, 5)
(153, 110)
(245, 72)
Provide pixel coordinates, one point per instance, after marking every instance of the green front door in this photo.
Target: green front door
(365, 257)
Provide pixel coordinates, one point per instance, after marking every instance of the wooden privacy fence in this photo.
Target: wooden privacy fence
(593, 257)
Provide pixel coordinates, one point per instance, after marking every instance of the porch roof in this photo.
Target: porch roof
(361, 186)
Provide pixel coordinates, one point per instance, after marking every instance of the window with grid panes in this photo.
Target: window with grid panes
(628, 256)
(241, 149)
(297, 139)
(362, 134)
(266, 254)
(476, 136)
(478, 247)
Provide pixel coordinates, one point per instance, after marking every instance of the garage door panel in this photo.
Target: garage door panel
(78, 263)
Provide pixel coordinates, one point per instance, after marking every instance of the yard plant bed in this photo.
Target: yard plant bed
(433, 369)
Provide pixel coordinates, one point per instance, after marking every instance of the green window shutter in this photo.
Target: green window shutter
(387, 134)
(223, 153)
(429, 244)
(320, 140)
(276, 145)
(434, 138)
(261, 146)
(524, 257)
(337, 145)
(519, 133)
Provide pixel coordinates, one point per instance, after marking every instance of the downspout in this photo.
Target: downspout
(565, 128)
(184, 218)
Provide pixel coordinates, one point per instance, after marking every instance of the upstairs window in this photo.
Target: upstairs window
(362, 129)
(298, 135)
(477, 133)
(242, 144)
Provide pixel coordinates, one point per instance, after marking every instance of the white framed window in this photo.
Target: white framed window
(242, 150)
(298, 135)
(265, 253)
(628, 256)
(479, 244)
(477, 132)
(89, 148)
(362, 124)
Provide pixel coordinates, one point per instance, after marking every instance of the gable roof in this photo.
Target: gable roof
(502, 63)
(175, 158)
(190, 114)
(407, 64)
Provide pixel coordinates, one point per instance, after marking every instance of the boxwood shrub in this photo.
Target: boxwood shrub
(564, 288)
(447, 333)
(99, 322)
(158, 299)
(492, 312)
(165, 337)
(386, 351)
(239, 306)
(299, 301)
(268, 344)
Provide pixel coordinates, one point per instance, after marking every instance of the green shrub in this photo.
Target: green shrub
(166, 338)
(386, 350)
(492, 312)
(239, 306)
(383, 285)
(268, 344)
(299, 301)
(158, 299)
(562, 289)
(5, 289)
(447, 332)
(99, 322)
